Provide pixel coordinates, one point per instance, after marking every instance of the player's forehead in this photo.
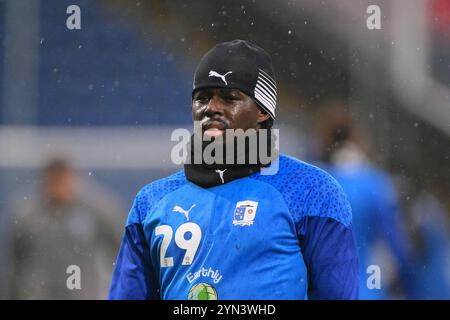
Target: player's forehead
(219, 91)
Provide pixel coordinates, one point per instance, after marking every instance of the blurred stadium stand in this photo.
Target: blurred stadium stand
(104, 74)
(2, 37)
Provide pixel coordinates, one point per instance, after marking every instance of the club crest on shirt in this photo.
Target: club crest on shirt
(245, 213)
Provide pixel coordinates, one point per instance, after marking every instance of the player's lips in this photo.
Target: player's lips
(214, 128)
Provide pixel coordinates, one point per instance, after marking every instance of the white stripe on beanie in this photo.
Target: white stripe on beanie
(266, 92)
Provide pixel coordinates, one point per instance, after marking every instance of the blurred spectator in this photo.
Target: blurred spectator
(431, 235)
(67, 222)
(377, 217)
(433, 279)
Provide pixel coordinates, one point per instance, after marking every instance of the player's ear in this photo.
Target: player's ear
(262, 116)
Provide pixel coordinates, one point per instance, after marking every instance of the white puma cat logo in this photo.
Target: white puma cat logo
(220, 172)
(213, 73)
(181, 210)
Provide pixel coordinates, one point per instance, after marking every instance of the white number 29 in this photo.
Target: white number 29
(190, 245)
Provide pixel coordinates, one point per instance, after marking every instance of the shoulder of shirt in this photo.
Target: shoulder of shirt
(153, 192)
(299, 172)
(308, 190)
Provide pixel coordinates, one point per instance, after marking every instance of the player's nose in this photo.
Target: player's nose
(215, 106)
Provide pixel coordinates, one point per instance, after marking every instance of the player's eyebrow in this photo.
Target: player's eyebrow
(220, 91)
(202, 92)
(234, 92)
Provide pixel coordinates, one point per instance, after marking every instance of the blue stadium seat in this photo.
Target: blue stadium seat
(104, 74)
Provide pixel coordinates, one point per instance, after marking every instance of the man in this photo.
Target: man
(377, 214)
(228, 231)
(66, 223)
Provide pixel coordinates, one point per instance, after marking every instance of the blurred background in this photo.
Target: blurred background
(86, 116)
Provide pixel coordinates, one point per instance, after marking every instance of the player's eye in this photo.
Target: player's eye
(230, 98)
(201, 99)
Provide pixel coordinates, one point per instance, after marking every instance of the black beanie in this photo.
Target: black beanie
(241, 65)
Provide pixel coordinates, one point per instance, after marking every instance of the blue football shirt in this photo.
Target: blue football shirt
(282, 236)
